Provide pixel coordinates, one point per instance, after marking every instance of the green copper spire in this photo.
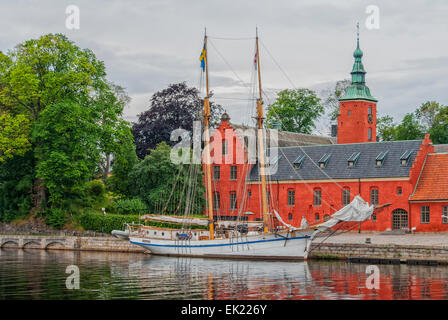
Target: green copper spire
(358, 89)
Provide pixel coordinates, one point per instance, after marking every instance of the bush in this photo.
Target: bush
(128, 206)
(56, 217)
(95, 189)
(94, 222)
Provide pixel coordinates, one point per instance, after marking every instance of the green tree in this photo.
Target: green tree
(67, 148)
(51, 72)
(331, 99)
(409, 128)
(386, 128)
(439, 129)
(427, 113)
(14, 135)
(166, 187)
(296, 110)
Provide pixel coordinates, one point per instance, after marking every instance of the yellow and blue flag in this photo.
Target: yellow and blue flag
(202, 58)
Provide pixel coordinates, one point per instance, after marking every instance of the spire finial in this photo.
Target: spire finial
(357, 33)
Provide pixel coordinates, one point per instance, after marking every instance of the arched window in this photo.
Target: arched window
(317, 197)
(316, 216)
(345, 196)
(290, 217)
(374, 196)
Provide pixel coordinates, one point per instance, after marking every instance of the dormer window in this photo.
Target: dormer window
(353, 159)
(324, 160)
(404, 159)
(379, 161)
(298, 162)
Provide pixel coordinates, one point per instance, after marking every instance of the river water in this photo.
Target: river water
(39, 274)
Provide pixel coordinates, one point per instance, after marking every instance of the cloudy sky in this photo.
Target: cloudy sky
(148, 44)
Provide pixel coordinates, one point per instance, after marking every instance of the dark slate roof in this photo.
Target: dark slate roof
(441, 148)
(287, 139)
(337, 166)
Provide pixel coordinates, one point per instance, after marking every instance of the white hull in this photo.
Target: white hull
(292, 246)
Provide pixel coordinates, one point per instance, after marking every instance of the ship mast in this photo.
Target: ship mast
(260, 119)
(208, 170)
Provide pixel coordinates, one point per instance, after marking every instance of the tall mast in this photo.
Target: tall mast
(208, 171)
(260, 120)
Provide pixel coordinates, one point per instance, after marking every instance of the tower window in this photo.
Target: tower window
(216, 173)
(232, 200)
(233, 172)
(369, 134)
(224, 148)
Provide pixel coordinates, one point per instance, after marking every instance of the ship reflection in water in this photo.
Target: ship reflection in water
(36, 274)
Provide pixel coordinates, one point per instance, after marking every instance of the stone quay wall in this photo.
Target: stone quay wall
(110, 244)
(342, 251)
(391, 252)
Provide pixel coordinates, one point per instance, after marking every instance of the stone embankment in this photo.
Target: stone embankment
(110, 244)
(362, 248)
(420, 248)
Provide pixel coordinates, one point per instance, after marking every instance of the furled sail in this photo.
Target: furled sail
(176, 219)
(198, 221)
(357, 210)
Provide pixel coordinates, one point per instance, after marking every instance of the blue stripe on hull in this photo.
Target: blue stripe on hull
(215, 245)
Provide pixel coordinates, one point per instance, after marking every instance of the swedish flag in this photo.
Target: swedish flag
(202, 58)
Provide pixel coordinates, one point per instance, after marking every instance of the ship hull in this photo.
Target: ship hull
(262, 247)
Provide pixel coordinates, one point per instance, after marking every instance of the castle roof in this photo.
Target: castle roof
(433, 181)
(343, 161)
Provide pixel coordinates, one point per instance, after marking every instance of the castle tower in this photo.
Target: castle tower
(357, 109)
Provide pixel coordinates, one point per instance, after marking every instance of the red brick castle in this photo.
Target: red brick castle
(316, 175)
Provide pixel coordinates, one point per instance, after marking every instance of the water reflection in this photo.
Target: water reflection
(38, 274)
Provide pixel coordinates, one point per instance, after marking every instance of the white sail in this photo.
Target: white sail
(176, 219)
(358, 210)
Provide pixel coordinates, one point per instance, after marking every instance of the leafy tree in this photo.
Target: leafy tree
(51, 72)
(164, 186)
(174, 107)
(331, 100)
(386, 128)
(296, 110)
(409, 129)
(16, 180)
(439, 129)
(427, 113)
(14, 131)
(66, 148)
(122, 166)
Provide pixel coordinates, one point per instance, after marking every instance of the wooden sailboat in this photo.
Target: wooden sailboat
(246, 240)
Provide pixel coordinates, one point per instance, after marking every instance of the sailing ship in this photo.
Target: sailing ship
(240, 239)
